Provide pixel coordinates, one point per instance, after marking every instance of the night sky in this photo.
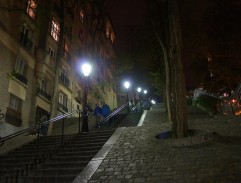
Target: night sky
(199, 18)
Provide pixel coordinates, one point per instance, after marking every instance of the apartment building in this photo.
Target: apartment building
(42, 45)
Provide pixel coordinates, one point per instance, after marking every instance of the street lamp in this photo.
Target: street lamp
(139, 92)
(86, 70)
(127, 86)
(153, 101)
(145, 91)
(139, 89)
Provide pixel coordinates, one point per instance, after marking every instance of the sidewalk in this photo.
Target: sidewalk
(134, 155)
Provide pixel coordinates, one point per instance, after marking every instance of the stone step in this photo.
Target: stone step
(18, 165)
(82, 153)
(30, 154)
(41, 179)
(12, 171)
(13, 160)
(91, 139)
(52, 165)
(30, 150)
(84, 144)
(59, 163)
(81, 149)
(71, 158)
(57, 171)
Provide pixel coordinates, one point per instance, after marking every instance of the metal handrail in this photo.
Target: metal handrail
(114, 113)
(38, 127)
(134, 108)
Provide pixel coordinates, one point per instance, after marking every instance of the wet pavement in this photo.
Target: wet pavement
(134, 154)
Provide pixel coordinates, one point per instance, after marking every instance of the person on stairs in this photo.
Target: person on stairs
(106, 112)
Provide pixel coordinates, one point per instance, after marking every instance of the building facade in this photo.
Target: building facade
(42, 45)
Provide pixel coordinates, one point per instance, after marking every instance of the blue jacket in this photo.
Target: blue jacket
(105, 110)
(97, 111)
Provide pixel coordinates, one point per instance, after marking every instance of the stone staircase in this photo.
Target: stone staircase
(56, 163)
(131, 120)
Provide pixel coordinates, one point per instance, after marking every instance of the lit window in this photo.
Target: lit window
(55, 29)
(31, 8)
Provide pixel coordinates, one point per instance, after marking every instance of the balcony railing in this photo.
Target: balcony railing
(62, 107)
(44, 94)
(21, 78)
(64, 80)
(78, 99)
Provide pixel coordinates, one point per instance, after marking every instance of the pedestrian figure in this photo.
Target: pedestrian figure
(105, 112)
(98, 114)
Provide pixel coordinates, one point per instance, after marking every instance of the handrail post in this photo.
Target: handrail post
(79, 122)
(38, 139)
(63, 131)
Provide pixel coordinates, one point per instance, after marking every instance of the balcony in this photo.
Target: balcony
(43, 94)
(21, 78)
(78, 99)
(64, 80)
(62, 107)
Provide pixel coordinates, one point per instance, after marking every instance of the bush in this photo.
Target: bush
(206, 102)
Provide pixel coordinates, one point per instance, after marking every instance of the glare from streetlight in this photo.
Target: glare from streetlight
(139, 89)
(86, 69)
(127, 84)
(153, 101)
(145, 91)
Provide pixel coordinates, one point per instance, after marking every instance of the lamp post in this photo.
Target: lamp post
(139, 92)
(145, 103)
(86, 70)
(127, 86)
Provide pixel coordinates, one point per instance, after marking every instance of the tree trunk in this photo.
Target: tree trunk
(177, 82)
(167, 69)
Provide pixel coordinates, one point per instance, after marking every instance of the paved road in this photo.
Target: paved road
(137, 156)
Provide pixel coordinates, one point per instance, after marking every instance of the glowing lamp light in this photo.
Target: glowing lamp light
(139, 89)
(127, 84)
(86, 69)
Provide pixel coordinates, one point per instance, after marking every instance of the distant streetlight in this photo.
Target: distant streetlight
(145, 91)
(139, 89)
(86, 70)
(153, 101)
